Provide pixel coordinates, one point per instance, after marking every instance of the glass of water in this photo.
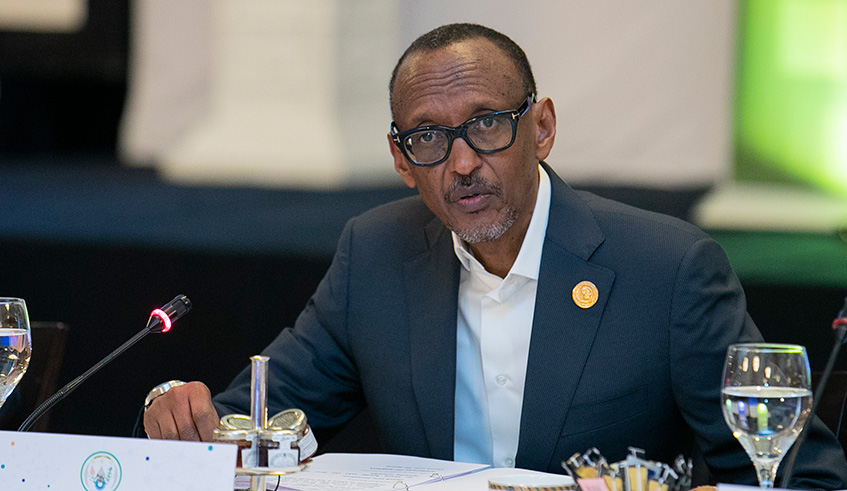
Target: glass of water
(767, 396)
(15, 344)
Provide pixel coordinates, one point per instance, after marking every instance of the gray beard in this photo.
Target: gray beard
(482, 233)
(486, 233)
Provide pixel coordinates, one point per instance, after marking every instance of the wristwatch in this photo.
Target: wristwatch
(159, 390)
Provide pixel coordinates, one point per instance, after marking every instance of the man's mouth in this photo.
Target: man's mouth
(474, 203)
(471, 193)
(463, 193)
(471, 199)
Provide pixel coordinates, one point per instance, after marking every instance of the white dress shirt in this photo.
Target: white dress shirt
(493, 332)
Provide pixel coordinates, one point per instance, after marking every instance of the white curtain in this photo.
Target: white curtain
(293, 93)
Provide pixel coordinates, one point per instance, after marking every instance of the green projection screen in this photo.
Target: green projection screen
(791, 95)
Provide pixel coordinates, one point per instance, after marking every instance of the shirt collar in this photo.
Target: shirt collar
(528, 262)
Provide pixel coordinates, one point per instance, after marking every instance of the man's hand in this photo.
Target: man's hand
(182, 413)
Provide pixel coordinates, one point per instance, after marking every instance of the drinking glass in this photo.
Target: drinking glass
(15, 344)
(767, 396)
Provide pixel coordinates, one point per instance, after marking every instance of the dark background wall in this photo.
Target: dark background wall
(62, 93)
(99, 248)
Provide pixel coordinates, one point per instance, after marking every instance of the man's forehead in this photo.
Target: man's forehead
(473, 69)
(459, 57)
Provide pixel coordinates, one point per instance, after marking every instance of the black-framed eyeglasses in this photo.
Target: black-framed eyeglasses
(486, 134)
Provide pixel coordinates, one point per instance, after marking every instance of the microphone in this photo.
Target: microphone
(839, 325)
(160, 321)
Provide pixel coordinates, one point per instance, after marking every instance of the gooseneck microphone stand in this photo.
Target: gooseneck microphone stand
(160, 321)
(839, 325)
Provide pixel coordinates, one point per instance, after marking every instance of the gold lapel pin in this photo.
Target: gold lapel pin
(585, 294)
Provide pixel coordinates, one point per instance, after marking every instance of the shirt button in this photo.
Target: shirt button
(509, 462)
(501, 380)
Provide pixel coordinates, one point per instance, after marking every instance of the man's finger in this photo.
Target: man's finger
(205, 420)
(151, 426)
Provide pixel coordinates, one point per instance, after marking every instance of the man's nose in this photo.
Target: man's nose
(463, 159)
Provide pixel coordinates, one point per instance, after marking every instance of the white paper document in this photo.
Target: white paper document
(372, 472)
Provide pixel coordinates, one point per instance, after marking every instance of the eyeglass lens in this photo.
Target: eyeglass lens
(487, 133)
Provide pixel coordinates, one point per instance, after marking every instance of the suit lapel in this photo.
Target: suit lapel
(432, 289)
(562, 332)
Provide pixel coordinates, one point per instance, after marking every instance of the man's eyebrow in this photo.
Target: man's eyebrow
(478, 110)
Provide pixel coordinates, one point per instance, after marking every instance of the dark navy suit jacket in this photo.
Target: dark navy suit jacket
(641, 367)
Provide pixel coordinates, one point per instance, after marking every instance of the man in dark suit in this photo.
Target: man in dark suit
(502, 317)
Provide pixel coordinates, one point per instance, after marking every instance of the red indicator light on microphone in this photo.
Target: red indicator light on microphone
(165, 319)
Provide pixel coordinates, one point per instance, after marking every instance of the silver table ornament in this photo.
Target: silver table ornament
(266, 448)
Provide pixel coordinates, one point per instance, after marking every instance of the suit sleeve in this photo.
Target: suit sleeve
(708, 314)
(310, 365)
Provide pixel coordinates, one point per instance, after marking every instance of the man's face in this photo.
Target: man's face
(480, 197)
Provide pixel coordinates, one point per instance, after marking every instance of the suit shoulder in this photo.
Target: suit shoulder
(651, 237)
(613, 215)
(404, 214)
(405, 226)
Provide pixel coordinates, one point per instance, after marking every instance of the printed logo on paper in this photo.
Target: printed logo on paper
(101, 471)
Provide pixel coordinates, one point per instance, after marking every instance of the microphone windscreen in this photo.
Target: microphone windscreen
(161, 319)
(177, 307)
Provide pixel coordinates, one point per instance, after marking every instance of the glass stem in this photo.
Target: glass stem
(766, 472)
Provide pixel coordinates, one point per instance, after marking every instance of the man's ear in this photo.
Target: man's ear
(545, 127)
(401, 165)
